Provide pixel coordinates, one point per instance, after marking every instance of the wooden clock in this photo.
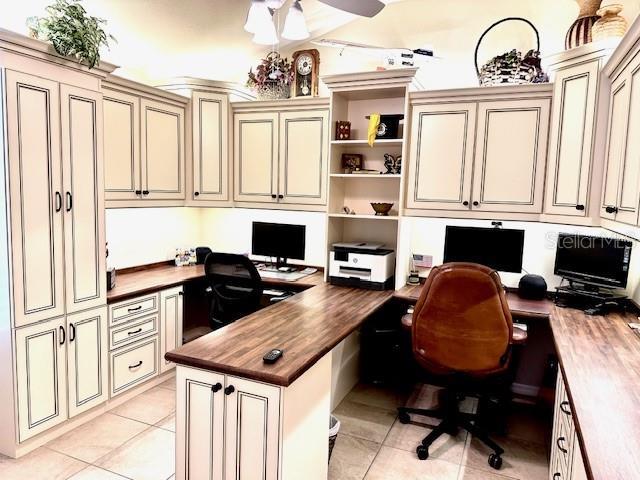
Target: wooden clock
(306, 65)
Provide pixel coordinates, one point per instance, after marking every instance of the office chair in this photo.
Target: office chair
(462, 336)
(235, 287)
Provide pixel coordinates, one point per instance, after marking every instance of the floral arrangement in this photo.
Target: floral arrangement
(71, 31)
(272, 78)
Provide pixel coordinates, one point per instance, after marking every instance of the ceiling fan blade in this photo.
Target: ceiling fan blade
(364, 8)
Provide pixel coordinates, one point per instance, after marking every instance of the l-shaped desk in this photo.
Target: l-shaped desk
(599, 359)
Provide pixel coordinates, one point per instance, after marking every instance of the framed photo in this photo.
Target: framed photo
(351, 161)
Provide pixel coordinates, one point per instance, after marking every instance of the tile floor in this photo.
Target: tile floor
(137, 443)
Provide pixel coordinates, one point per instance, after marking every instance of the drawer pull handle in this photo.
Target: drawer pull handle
(564, 406)
(229, 390)
(556, 476)
(216, 388)
(560, 447)
(131, 367)
(134, 309)
(135, 331)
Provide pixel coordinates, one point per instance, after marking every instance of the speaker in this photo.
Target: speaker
(532, 287)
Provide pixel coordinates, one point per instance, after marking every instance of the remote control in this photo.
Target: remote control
(272, 356)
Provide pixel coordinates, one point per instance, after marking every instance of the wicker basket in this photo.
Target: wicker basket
(511, 67)
(273, 91)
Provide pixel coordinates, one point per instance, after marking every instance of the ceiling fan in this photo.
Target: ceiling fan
(364, 8)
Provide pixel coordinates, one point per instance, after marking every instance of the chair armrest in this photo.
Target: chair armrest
(519, 336)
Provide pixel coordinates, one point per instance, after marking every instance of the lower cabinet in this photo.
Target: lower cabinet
(229, 427)
(133, 364)
(61, 369)
(566, 457)
(171, 311)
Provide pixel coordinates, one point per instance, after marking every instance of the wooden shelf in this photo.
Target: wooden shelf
(382, 141)
(369, 217)
(364, 175)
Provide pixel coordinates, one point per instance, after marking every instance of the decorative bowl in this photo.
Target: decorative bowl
(381, 209)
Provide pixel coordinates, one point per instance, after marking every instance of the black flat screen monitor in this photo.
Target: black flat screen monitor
(593, 260)
(497, 248)
(278, 240)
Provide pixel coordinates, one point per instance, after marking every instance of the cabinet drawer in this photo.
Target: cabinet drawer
(563, 443)
(133, 364)
(133, 330)
(132, 308)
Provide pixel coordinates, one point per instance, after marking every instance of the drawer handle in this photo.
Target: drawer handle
(216, 388)
(131, 367)
(560, 447)
(135, 331)
(556, 475)
(229, 390)
(134, 309)
(564, 406)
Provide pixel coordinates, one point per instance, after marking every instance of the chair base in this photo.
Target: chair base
(452, 420)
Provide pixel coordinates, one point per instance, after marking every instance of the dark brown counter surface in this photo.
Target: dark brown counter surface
(306, 326)
(152, 279)
(600, 359)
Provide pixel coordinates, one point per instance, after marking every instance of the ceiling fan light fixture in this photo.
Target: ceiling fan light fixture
(256, 17)
(266, 33)
(295, 25)
(274, 4)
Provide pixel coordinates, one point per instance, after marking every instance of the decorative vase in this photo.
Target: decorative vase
(580, 31)
(610, 24)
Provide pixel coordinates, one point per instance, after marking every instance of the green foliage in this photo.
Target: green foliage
(71, 31)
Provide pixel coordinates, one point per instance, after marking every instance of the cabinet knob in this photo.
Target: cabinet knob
(138, 192)
(216, 388)
(580, 207)
(280, 196)
(229, 390)
(195, 194)
(273, 195)
(145, 192)
(610, 209)
(475, 204)
(465, 203)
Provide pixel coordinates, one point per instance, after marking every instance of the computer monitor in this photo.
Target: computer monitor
(593, 260)
(497, 248)
(279, 240)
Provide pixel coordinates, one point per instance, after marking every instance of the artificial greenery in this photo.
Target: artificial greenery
(273, 69)
(71, 31)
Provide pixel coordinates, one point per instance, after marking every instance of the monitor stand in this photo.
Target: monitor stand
(594, 300)
(280, 266)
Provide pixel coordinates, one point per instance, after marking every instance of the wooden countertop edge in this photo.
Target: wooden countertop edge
(145, 290)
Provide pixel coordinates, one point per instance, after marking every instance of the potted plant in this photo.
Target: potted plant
(272, 78)
(72, 32)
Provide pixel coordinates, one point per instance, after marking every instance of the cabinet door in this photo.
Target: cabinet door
(252, 430)
(629, 182)
(618, 110)
(85, 277)
(121, 146)
(210, 118)
(41, 377)
(87, 365)
(575, 93)
(171, 311)
(162, 152)
(35, 184)
(304, 147)
(441, 157)
(199, 425)
(511, 150)
(255, 157)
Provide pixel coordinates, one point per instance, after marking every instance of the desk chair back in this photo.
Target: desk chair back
(462, 322)
(236, 287)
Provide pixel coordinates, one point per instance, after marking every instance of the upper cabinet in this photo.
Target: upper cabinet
(281, 152)
(144, 145)
(479, 150)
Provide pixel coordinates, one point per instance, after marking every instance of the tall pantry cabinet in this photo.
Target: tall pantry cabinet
(52, 284)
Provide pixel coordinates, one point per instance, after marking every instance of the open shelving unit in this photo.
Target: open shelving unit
(353, 98)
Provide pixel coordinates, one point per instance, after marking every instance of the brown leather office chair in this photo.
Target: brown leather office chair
(462, 336)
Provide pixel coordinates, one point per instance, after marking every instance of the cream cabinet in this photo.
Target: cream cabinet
(482, 150)
(144, 145)
(281, 155)
(171, 314)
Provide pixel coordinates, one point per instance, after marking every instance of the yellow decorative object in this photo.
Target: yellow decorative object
(611, 24)
(374, 122)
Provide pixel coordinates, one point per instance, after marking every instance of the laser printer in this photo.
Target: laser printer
(362, 264)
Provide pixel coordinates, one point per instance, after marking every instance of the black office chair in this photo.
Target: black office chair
(235, 287)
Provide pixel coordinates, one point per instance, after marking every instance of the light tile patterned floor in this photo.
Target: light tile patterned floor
(136, 441)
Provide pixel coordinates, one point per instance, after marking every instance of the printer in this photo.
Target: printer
(363, 265)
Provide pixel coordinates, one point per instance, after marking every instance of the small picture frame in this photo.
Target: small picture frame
(351, 162)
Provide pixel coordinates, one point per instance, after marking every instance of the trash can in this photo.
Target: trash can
(334, 427)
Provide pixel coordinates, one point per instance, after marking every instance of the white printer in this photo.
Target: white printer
(361, 264)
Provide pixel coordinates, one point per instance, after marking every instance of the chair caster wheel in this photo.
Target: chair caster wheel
(404, 417)
(423, 452)
(495, 461)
